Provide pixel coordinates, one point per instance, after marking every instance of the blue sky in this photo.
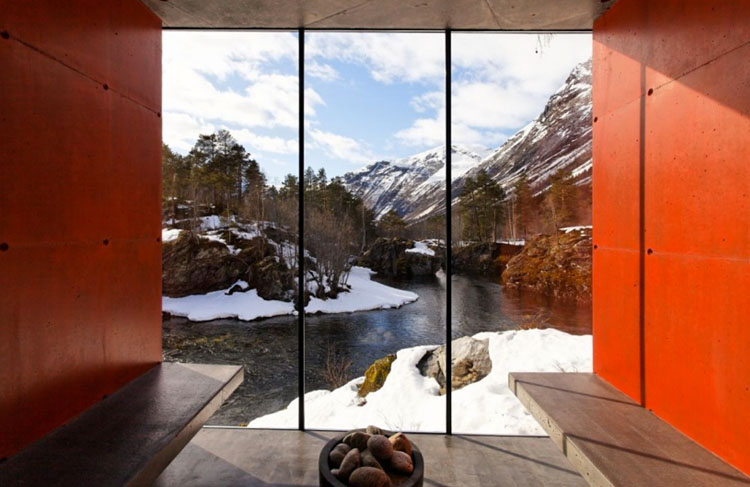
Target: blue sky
(368, 96)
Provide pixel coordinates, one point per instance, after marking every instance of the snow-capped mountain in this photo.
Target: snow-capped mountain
(559, 138)
(399, 185)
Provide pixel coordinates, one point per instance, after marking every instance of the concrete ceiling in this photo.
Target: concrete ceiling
(381, 14)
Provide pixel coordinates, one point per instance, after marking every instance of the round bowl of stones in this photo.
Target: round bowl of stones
(371, 457)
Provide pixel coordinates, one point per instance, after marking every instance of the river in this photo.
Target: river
(268, 348)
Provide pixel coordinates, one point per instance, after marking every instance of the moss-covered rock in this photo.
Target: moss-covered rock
(557, 265)
(376, 375)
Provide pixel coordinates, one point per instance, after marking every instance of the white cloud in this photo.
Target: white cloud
(239, 79)
(340, 146)
(502, 81)
(431, 100)
(390, 57)
(255, 142)
(180, 131)
(220, 53)
(499, 84)
(424, 132)
(321, 71)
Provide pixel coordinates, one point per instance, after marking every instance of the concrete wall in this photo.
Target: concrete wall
(80, 267)
(672, 213)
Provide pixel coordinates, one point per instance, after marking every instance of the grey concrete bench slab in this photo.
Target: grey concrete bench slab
(129, 437)
(612, 440)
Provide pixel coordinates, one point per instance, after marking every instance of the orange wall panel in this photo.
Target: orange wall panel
(675, 75)
(80, 267)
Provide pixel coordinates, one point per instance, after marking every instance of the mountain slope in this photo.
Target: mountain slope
(558, 139)
(399, 185)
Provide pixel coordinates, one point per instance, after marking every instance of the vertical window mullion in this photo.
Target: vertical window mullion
(448, 238)
(301, 234)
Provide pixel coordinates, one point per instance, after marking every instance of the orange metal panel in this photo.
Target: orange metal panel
(698, 170)
(681, 69)
(616, 178)
(697, 361)
(672, 37)
(110, 42)
(83, 319)
(616, 327)
(79, 208)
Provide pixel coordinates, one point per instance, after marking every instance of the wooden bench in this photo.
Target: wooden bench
(129, 437)
(612, 440)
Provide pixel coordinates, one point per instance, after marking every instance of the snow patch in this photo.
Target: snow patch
(421, 248)
(365, 294)
(170, 234)
(410, 402)
(580, 228)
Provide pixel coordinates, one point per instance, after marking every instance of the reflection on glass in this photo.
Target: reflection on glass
(374, 229)
(521, 103)
(230, 213)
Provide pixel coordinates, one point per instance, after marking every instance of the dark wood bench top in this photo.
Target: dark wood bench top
(129, 437)
(612, 440)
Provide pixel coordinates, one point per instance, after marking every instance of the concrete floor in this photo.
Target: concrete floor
(249, 458)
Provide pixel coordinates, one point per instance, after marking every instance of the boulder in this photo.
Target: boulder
(376, 375)
(470, 362)
(388, 257)
(557, 265)
(271, 278)
(194, 265)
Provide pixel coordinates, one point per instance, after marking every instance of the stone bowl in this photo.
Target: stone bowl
(328, 480)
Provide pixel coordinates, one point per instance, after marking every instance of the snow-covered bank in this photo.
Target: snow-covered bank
(410, 402)
(365, 294)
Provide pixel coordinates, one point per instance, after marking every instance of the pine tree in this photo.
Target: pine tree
(482, 207)
(525, 206)
(561, 202)
(392, 224)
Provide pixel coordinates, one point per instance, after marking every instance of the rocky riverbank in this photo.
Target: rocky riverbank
(401, 258)
(557, 265)
(222, 252)
(488, 259)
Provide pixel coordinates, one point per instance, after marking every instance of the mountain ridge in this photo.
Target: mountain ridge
(559, 138)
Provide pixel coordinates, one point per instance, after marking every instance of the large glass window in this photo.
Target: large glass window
(376, 191)
(230, 211)
(522, 104)
(374, 141)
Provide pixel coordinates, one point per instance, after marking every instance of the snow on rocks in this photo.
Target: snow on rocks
(365, 294)
(170, 234)
(580, 228)
(421, 248)
(411, 402)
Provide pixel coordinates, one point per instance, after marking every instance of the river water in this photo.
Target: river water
(268, 348)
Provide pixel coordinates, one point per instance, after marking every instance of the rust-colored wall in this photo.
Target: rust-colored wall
(80, 268)
(672, 213)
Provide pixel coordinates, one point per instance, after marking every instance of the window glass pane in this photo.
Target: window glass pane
(375, 177)
(521, 129)
(230, 102)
